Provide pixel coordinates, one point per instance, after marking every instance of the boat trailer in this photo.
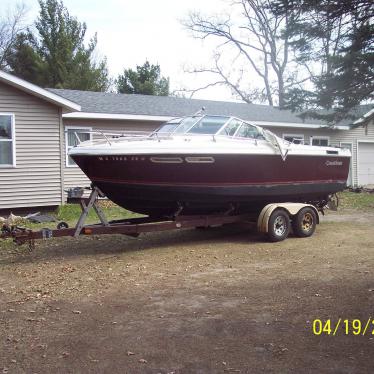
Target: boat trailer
(130, 226)
(275, 220)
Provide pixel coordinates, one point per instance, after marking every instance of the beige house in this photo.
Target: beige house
(37, 129)
(31, 132)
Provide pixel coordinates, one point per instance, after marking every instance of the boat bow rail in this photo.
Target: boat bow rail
(109, 137)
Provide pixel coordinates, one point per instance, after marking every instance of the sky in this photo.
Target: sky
(131, 31)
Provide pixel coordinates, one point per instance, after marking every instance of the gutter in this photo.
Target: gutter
(134, 117)
(144, 117)
(364, 119)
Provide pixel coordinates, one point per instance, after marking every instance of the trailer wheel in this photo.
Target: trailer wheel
(304, 222)
(279, 225)
(62, 225)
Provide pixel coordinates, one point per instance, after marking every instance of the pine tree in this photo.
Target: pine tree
(145, 80)
(25, 62)
(338, 38)
(57, 56)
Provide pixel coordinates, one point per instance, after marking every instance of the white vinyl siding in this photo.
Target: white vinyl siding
(36, 178)
(365, 133)
(7, 140)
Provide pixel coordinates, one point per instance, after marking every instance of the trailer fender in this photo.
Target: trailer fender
(291, 208)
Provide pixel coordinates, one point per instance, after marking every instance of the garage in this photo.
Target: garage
(365, 163)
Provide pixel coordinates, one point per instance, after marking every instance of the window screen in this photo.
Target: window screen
(6, 140)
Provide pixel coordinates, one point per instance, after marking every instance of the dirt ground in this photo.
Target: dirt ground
(199, 301)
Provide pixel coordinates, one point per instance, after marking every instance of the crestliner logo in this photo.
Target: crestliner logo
(334, 163)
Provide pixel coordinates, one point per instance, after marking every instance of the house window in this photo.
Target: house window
(322, 141)
(294, 138)
(71, 139)
(7, 140)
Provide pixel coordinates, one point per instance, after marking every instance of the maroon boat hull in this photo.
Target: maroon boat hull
(247, 182)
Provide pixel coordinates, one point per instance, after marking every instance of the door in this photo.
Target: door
(350, 147)
(365, 163)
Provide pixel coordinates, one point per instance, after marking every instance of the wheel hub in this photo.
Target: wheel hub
(280, 226)
(307, 222)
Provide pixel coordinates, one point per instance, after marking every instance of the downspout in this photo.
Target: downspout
(62, 155)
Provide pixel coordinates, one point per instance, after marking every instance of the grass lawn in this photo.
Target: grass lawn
(70, 214)
(357, 201)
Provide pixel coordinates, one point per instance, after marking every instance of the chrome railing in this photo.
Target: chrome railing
(109, 137)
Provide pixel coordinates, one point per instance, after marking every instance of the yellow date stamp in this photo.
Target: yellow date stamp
(343, 326)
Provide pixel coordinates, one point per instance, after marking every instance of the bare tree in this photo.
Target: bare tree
(11, 24)
(226, 78)
(258, 38)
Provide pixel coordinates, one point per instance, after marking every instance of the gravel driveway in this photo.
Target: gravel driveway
(211, 301)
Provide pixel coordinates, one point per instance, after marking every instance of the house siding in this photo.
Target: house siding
(73, 176)
(36, 178)
(354, 136)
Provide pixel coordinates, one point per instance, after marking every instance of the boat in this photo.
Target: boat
(205, 164)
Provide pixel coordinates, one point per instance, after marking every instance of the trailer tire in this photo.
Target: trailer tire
(62, 225)
(278, 226)
(304, 223)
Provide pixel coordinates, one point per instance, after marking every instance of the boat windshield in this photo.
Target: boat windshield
(169, 127)
(247, 130)
(186, 124)
(211, 125)
(208, 125)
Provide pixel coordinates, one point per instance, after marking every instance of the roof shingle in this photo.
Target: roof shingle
(113, 103)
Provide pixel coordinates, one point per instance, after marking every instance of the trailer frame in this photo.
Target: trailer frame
(130, 226)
